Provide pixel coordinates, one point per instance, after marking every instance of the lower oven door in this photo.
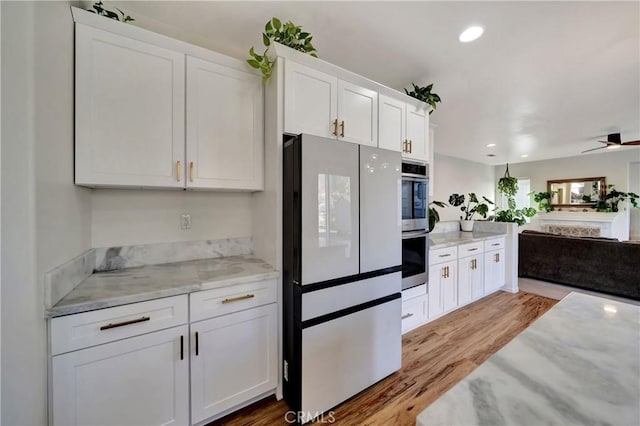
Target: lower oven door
(415, 259)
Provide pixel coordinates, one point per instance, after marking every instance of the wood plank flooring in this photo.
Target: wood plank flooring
(434, 358)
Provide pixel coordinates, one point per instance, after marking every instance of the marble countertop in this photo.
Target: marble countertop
(578, 364)
(446, 239)
(108, 289)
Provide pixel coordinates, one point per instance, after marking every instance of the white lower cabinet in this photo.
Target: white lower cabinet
(415, 308)
(141, 380)
(443, 289)
(233, 359)
(137, 364)
(470, 278)
(494, 270)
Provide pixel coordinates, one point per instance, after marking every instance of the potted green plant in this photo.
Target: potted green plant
(610, 199)
(473, 205)
(289, 34)
(424, 94)
(434, 215)
(544, 200)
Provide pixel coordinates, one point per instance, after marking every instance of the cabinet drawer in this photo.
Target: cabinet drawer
(414, 312)
(219, 301)
(92, 328)
(444, 254)
(470, 249)
(412, 292)
(494, 244)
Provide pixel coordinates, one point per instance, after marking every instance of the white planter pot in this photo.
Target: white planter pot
(466, 225)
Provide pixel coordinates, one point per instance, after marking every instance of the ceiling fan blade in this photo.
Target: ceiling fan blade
(594, 149)
(631, 143)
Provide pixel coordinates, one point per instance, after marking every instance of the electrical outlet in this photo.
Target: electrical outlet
(185, 221)
(286, 371)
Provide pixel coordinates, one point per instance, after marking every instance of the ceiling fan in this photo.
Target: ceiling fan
(613, 141)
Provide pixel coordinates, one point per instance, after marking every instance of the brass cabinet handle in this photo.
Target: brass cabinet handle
(444, 272)
(191, 171)
(123, 323)
(410, 146)
(178, 170)
(197, 344)
(335, 127)
(496, 257)
(236, 299)
(342, 129)
(407, 316)
(181, 348)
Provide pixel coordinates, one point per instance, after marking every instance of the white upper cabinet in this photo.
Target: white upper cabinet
(357, 114)
(224, 127)
(310, 101)
(391, 124)
(320, 104)
(417, 147)
(129, 111)
(135, 103)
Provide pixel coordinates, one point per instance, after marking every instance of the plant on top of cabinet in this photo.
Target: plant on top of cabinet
(473, 206)
(608, 202)
(424, 94)
(289, 34)
(100, 10)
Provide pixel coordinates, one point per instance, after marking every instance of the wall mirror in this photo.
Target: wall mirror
(571, 192)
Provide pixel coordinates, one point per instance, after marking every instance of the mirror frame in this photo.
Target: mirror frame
(601, 179)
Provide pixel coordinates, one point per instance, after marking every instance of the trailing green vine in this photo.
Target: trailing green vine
(424, 94)
(289, 34)
(508, 185)
(100, 10)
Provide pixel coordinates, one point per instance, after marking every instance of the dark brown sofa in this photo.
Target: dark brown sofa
(598, 264)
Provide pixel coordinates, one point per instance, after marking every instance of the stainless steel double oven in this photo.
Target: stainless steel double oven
(415, 224)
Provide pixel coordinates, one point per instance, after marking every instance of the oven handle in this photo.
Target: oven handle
(415, 234)
(414, 178)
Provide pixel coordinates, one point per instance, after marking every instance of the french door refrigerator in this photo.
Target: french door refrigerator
(342, 263)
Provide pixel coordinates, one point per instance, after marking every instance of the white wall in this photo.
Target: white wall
(634, 186)
(126, 217)
(613, 164)
(45, 218)
(454, 175)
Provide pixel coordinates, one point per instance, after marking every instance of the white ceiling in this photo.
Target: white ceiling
(546, 78)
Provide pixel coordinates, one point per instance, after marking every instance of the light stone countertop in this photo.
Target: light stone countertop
(447, 239)
(108, 289)
(578, 364)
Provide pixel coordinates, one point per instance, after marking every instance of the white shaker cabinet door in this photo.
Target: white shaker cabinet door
(235, 360)
(141, 380)
(330, 212)
(391, 123)
(129, 112)
(310, 101)
(494, 270)
(357, 114)
(417, 133)
(225, 144)
(380, 203)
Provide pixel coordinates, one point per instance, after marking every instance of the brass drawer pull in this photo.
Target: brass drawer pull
(123, 323)
(472, 249)
(407, 316)
(236, 299)
(444, 255)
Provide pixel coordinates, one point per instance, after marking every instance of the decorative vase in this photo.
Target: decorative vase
(466, 225)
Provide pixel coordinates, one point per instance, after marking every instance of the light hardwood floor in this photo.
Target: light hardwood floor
(434, 358)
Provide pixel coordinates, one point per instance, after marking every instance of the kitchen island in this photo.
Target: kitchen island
(578, 364)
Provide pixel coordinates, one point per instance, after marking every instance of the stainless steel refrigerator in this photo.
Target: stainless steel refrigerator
(342, 263)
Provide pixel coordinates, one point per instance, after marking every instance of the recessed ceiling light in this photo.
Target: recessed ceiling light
(491, 155)
(470, 34)
(524, 155)
(491, 145)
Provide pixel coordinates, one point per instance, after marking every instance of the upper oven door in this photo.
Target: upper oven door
(414, 203)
